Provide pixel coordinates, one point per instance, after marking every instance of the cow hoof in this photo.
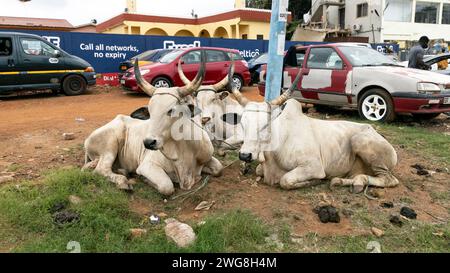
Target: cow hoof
(335, 182)
(125, 187)
(260, 170)
(358, 188)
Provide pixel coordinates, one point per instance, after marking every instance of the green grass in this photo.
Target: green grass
(26, 225)
(105, 220)
(411, 238)
(14, 167)
(419, 141)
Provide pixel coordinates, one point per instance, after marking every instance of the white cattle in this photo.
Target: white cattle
(295, 151)
(168, 147)
(214, 105)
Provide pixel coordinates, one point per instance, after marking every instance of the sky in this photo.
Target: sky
(83, 11)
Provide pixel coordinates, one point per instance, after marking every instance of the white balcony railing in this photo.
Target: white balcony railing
(319, 3)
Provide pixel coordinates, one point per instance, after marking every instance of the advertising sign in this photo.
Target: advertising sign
(106, 51)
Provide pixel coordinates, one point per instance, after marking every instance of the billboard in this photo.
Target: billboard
(106, 51)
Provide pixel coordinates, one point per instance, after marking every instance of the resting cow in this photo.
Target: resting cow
(295, 151)
(213, 105)
(166, 148)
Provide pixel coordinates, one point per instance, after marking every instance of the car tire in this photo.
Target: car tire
(237, 80)
(162, 82)
(74, 85)
(376, 105)
(426, 116)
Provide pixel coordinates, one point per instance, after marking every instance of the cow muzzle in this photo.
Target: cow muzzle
(246, 157)
(151, 144)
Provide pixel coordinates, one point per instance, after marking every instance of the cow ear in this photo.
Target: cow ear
(232, 118)
(223, 95)
(195, 111)
(141, 113)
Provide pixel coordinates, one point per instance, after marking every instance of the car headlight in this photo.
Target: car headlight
(144, 71)
(428, 87)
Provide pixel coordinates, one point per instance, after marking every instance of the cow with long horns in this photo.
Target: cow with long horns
(167, 147)
(296, 151)
(214, 104)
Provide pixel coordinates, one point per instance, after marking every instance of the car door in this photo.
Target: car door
(8, 60)
(38, 62)
(217, 66)
(325, 76)
(293, 64)
(190, 62)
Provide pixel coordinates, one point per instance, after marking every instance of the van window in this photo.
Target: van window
(300, 57)
(36, 47)
(5, 46)
(324, 58)
(192, 57)
(215, 56)
(235, 56)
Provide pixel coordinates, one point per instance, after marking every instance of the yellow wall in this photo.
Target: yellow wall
(224, 29)
(257, 28)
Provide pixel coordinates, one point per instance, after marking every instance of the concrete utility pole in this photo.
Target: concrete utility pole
(277, 44)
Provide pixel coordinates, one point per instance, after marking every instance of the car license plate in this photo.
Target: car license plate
(447, 100)
(122, 82)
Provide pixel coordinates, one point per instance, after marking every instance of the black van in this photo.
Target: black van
(29, 62)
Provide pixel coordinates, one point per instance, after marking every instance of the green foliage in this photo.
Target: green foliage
(105, 220)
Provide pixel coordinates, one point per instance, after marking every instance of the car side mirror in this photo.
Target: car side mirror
(57, 54)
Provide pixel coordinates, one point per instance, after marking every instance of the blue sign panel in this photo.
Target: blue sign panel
(105, 51)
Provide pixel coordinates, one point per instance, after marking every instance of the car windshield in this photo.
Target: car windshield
(170, 57)
(363, 56)
(263, 58)
(145, 55)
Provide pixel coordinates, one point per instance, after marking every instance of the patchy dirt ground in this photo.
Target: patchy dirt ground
(31, 142)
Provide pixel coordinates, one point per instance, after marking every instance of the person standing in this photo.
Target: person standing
(417, 53)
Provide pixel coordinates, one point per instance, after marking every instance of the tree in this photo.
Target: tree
(259, 4)
(296, 7)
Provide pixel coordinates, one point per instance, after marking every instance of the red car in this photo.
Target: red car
(164, 73)
(355, 76)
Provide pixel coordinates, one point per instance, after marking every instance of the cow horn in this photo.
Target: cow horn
(197, 82)
(224, 83)
(286, 95)
(142, 83)
(183, 77)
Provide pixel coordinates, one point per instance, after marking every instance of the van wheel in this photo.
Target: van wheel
(161, 82)
(238, 82)
(376, 105)
(74, 85)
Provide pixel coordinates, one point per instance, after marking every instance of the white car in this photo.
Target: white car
(364, 79)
